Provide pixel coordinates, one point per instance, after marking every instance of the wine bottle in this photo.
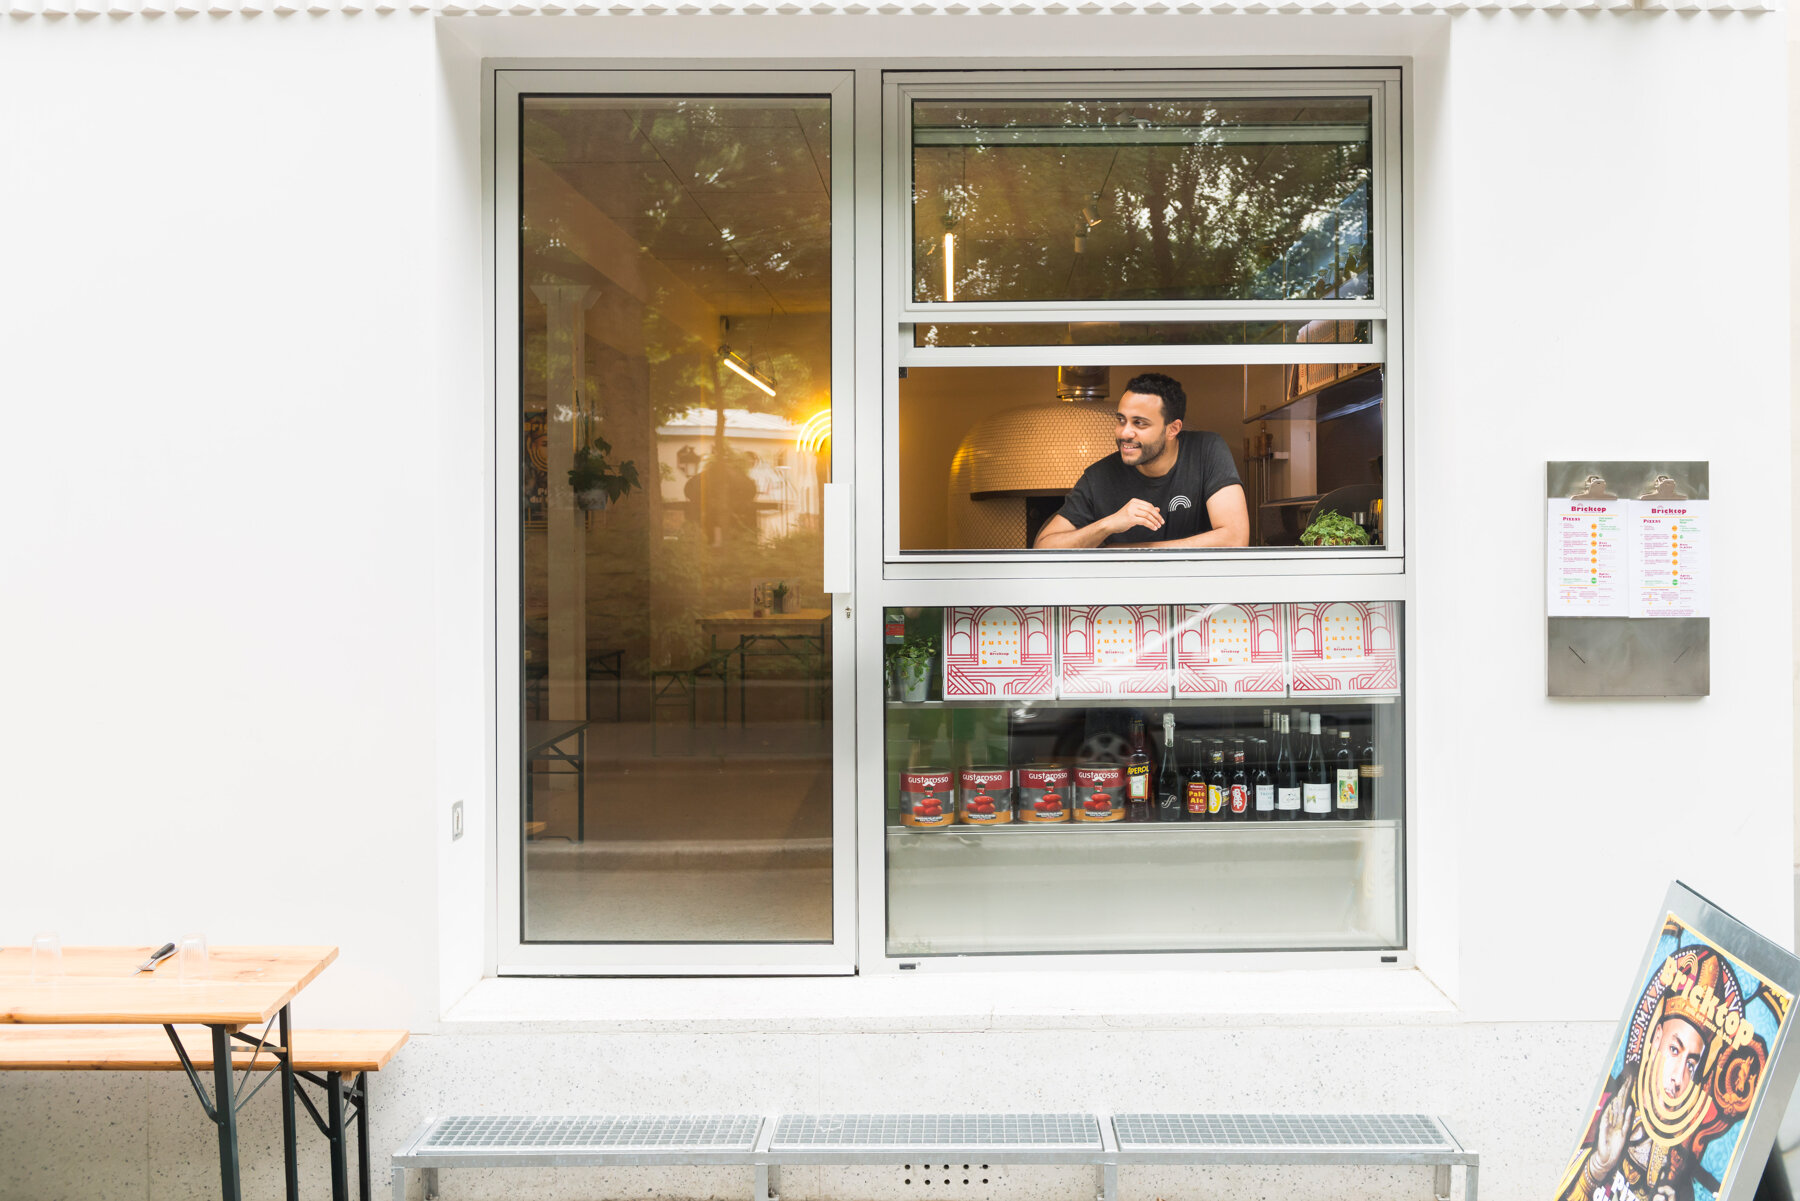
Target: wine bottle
(1194, 787)
(1316, 782)
(1137, 776)
(1240, 783)
(1262, 785)
(1344, 771)
(1287, 775)
(1168, 777)
(1368, 771)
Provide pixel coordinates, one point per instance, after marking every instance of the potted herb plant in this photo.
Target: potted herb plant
(910, 664)
(1332, 528)
(595, 481)
(779, 594)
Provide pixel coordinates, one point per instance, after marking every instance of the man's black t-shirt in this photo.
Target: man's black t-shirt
(1202, 466)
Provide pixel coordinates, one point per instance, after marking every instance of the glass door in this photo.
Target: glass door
(674, 733)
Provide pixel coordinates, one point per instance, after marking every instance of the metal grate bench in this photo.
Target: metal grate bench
(847, 1139)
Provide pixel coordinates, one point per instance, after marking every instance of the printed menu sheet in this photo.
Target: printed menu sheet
(1669, 553)
(1590, 567)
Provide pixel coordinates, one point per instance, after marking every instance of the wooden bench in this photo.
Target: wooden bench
(337, 1062)
(766, 1144)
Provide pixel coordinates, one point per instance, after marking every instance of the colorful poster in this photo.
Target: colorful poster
(1229, 650)
(1670, 574)
(1343, 648)
(1589, 568)
(1113, 650)
(1683, 1080)
(999, 650)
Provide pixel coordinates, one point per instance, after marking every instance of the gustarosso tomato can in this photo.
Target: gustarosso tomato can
(985, 797)
(1043, 793)
(1099, 792)
(926, 799)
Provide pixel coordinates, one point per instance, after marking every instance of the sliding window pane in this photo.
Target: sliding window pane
(1099, 200)
(674, 644)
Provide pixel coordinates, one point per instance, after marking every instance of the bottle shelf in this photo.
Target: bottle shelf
(1145, 830)
(1142, 702)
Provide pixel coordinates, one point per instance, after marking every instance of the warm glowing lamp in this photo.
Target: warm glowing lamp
(732, 361)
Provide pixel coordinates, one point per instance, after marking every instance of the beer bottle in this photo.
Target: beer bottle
(1194, 792)
(1240, 783)
(1218, 790)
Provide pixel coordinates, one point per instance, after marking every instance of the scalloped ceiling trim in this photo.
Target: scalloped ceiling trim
(921, 8)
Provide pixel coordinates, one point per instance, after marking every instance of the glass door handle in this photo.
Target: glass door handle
(839, 568)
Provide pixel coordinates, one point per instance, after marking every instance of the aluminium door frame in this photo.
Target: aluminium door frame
(513, 955)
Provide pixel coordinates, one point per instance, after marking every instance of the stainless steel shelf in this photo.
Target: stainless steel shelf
(1157, 830)
(1144, 702)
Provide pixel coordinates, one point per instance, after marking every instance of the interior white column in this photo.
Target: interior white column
(566, 553)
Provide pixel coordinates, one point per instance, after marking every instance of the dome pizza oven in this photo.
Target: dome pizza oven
(1012, 469)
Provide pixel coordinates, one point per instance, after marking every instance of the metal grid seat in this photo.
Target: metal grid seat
(935, 1131)
(575, 1134)
(1260, 1131)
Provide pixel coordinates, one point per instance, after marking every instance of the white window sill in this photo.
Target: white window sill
(961, 1001)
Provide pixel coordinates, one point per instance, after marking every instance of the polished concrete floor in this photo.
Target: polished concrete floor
(715, 832)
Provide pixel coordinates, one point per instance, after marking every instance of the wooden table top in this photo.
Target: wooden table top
(147, 1049)
(731, 618)
(244, 986)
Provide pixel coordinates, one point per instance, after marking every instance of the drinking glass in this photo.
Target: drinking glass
(190, 957)
(46, 956)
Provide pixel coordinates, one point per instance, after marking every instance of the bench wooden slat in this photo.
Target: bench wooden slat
(147, 1049)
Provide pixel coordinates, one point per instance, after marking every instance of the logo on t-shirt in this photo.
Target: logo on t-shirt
(1180, 502)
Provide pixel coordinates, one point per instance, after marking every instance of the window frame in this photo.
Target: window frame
(1384, 309)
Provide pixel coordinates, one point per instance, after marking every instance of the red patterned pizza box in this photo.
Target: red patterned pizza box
(1113, 650)
(1230, 650)
(1343, 648)
(999, 650)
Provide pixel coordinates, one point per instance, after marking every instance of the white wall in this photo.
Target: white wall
(245, 612)
(220, 480)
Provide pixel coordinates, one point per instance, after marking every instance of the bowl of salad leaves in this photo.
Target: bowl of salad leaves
(1332, 528)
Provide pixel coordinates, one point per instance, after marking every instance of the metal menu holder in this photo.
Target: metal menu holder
(1629, 656)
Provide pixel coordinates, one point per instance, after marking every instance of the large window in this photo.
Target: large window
(1143, 683)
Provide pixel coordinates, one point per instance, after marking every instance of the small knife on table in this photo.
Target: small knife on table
(161, 953)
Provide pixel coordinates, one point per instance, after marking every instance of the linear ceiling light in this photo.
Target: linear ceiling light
(732, 361)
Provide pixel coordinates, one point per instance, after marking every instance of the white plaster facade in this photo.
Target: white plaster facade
(249, 562)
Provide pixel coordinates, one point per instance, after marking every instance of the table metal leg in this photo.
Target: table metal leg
(225, 1116)
(397, 1180)
(334, 1137)
(581, 784)
(289, 1146)
(364, 1185)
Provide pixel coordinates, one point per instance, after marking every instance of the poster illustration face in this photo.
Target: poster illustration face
(1680, 1086)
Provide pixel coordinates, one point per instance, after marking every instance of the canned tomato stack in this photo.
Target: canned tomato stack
(986, 796)
(925, 798)
(1043, 793)
(1099, 792)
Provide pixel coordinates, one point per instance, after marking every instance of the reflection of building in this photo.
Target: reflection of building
(786, 477)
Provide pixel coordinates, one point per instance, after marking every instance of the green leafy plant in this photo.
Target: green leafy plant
(911, 660)
(780, 594)
(1332, 528)
(593, 477)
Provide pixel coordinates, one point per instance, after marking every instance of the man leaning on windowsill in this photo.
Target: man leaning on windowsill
(1165, 488)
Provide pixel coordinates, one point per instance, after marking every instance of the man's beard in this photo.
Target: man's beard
(1148, 452)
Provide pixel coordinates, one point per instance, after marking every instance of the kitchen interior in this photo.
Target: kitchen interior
(987, 453)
